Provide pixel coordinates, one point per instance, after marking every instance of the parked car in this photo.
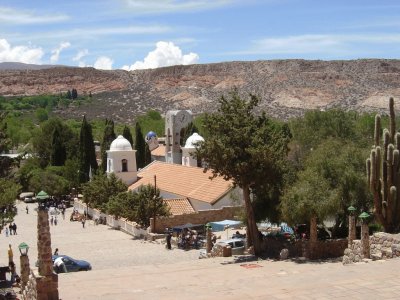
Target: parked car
(236, 244)
(73, 265)
(30, 199)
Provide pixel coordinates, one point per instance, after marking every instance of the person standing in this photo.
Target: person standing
(10, 255)
(27, 209)
(6, 231)
(51, 220)
(15, 228)
(168, 239)
(83, 222)
(55, 221)
(56, 252)
(59, 265)
(10, 228)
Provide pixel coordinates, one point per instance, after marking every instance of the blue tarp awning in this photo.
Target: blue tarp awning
(221, 225)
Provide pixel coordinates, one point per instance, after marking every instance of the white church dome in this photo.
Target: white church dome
(193, 140)
(120, 144)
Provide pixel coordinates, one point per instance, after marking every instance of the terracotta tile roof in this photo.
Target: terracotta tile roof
(188, 182)
(179, 206)
(159, 151)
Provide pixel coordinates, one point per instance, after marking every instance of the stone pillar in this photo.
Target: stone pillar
(152, 226)
(365, 248)
(25, 269)
(47, 285)
(352, 229)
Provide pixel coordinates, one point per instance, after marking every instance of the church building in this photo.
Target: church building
(183, 184)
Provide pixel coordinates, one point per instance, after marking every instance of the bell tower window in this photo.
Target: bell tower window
(124, 165)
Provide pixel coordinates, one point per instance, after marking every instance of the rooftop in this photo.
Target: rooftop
(159, 151)
(188, 182)
(179, 206)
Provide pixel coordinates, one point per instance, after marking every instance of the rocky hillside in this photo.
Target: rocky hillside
(287, 87)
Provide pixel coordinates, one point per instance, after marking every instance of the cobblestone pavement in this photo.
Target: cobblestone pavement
(124, 268)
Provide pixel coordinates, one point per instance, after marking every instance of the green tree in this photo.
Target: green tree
(98, 191)
(58, 153)
(149, 205)
(339, 166)
(42, 144)
(127, 134)
(41, 114)
(74, 94)
(140, 146)
(8, 193)
(108, 137)
(49, 180)
(123, 205)
(5, 162)
(244, 147)
(87, 154)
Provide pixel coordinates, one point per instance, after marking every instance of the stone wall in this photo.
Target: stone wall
(30, 291)
(122, 224)
(382, 245)
(132, 228)
(304, 248)
(200, 217)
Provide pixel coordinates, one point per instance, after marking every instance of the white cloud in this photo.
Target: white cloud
(13, 16)
(103, 63)
(168, 6)
(56, 52)
(318, 43)
(80, 54)
(24, 54)
(165, 54)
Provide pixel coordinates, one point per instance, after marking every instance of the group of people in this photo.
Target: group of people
(11, 229)
(188, 239)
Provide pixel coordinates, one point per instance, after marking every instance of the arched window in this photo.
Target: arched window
(124, 165)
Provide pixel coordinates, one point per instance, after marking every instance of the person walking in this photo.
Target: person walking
(6, 231)
(55, 221)
(10, 228)
(83, 222)
(51, 220)
(27, 209)
(15, 228)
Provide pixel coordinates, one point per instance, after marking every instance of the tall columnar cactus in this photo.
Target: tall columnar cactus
(384, 174)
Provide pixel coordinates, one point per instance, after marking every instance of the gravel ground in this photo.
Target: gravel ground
(102, 246)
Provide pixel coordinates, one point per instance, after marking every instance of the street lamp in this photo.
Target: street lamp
(23, 248)
(351, 210)
(363, 217)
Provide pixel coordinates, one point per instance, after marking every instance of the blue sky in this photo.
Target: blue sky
(135, 34)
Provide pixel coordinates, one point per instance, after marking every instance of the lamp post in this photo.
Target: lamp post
(352, 225)
(24, 262)
(364, 234)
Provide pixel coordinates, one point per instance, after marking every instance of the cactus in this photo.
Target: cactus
(383, 173)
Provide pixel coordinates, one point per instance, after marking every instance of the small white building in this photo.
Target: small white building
(121, 160)
(188, 158)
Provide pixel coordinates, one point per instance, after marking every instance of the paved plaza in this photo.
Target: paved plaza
(124, 268)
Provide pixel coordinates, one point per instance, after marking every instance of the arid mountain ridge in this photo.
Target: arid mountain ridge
(286, 87)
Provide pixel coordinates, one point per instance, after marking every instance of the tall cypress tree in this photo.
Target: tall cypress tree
(127, 134)
(108, 137)
(58, 153)
(87, 154)
(140, 146)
